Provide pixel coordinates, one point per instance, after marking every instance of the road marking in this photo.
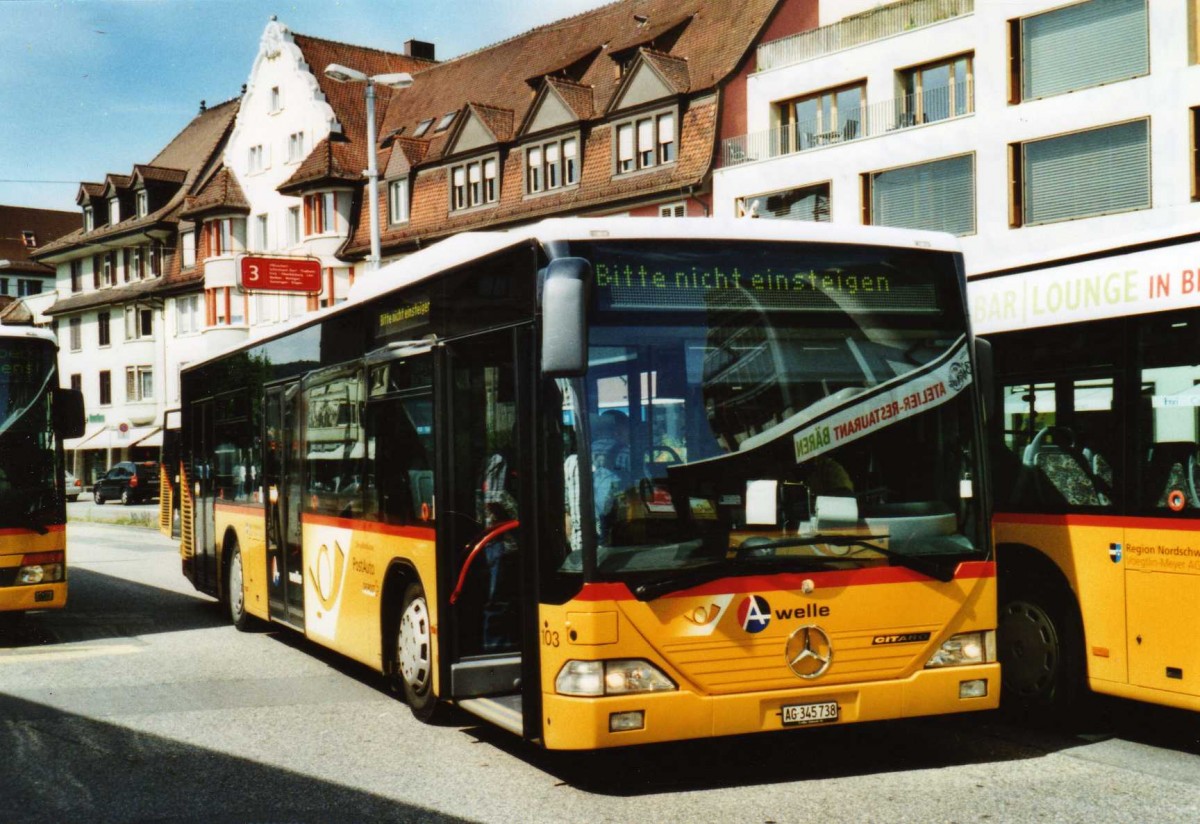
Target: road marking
(17, 656)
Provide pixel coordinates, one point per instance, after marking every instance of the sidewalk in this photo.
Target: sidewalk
(85, 509)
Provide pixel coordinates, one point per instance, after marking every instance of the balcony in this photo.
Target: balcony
(872, 120)
(898, 18)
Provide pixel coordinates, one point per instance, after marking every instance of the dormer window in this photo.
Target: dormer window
(143, 203)
(474, 183)
(89, 219)
(552, 165)
(114, 211)
(423, 127)
(646, 141)
(29, 239)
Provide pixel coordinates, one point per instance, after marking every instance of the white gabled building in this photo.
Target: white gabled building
(1042, 132)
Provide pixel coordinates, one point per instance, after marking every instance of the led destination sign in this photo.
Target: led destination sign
(653, 285)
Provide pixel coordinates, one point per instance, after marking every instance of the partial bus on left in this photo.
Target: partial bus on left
(35, 415)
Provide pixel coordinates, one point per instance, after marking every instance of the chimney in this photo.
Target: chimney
(203, 107)
(419, 49)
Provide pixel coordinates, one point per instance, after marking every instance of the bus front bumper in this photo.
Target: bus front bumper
(573, 723)
(36, 596)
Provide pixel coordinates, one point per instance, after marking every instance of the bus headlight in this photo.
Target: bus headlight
(41, 568)
(965, 648)
(616, 677)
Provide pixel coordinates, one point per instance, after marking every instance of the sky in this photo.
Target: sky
(89, 87)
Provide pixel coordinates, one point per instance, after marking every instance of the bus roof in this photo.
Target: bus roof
(468, 246)
(465, 247)
(28, 332)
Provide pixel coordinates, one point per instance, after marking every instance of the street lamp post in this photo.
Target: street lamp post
(395, 80)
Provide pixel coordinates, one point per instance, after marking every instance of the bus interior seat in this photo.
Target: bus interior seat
(1063, 473)
(1171, 465)
(420, 483)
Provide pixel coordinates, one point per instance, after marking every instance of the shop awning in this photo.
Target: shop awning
(77, 443)
(154, 438)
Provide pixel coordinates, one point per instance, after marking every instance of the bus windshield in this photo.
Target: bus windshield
(27, 455)
(770, 406)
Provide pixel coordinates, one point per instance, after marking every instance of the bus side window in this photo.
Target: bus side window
(399, 463)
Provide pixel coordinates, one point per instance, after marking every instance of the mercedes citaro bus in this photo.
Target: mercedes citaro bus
(614, 481)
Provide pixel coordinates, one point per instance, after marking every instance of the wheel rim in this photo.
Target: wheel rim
(412, 646)
(1029, 649)
(125, 497)
(237, 600)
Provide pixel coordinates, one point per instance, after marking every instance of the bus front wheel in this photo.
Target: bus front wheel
(414, 653)
(235, 591)
(1040, 649)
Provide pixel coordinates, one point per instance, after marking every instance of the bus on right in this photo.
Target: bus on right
(1097, 508)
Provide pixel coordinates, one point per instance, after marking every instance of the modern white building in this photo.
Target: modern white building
(1057, 139)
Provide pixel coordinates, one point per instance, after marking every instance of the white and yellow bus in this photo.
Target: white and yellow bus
(606, 482)
(34, 417)
(1097, 499)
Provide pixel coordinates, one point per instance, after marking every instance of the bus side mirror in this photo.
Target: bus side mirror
(986, 373)
(66, 411)
(564, 317)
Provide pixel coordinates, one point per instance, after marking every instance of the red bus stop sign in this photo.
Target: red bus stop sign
(268, 274)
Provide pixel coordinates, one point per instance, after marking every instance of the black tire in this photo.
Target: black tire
(1040, 646)
(126, 498)
(235, 593)
(412, 653)
(99, 499)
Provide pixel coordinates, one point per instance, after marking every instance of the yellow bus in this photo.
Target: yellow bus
(608, 482)
(34, 417)
(1097, 524)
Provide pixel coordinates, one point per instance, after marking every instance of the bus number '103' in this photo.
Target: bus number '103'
(549, 638)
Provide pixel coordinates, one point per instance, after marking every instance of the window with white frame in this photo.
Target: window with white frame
(672, 210)
(938, 195)
(89, 219)
(254, 159)
(646, 141)
(187, 315)
(1082, 174)
(262, 232)
(29, 238)
(139, 322)
(320, 213)
(108, 273)
(398, 201)
(143, 203)
(114, 210)
(135, 264)
(187, 241)
(474, 183)
(1078, 46)
(139, 383)
(225, 236)
(552, 164)
(293, 226)
(295, 147)
(276, 100)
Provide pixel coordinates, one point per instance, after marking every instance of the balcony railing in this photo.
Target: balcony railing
(859, 29)
(929, 106)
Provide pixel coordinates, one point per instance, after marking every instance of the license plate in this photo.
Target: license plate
(795, 715)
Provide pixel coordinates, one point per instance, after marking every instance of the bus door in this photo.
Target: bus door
(482, 542)
(201, 483)
(282, 467)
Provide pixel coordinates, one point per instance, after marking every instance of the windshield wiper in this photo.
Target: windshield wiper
(762, 547)
(649, 590)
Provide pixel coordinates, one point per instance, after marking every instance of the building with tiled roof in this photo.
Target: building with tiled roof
(618, 110)
(23, 231)
(128, 292)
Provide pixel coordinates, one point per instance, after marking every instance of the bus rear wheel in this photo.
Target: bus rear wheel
(1041, 653)
(414, 653)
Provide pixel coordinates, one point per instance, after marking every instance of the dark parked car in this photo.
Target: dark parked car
(130, 482)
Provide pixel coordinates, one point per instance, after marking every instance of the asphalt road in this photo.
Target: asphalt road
(140, 703)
